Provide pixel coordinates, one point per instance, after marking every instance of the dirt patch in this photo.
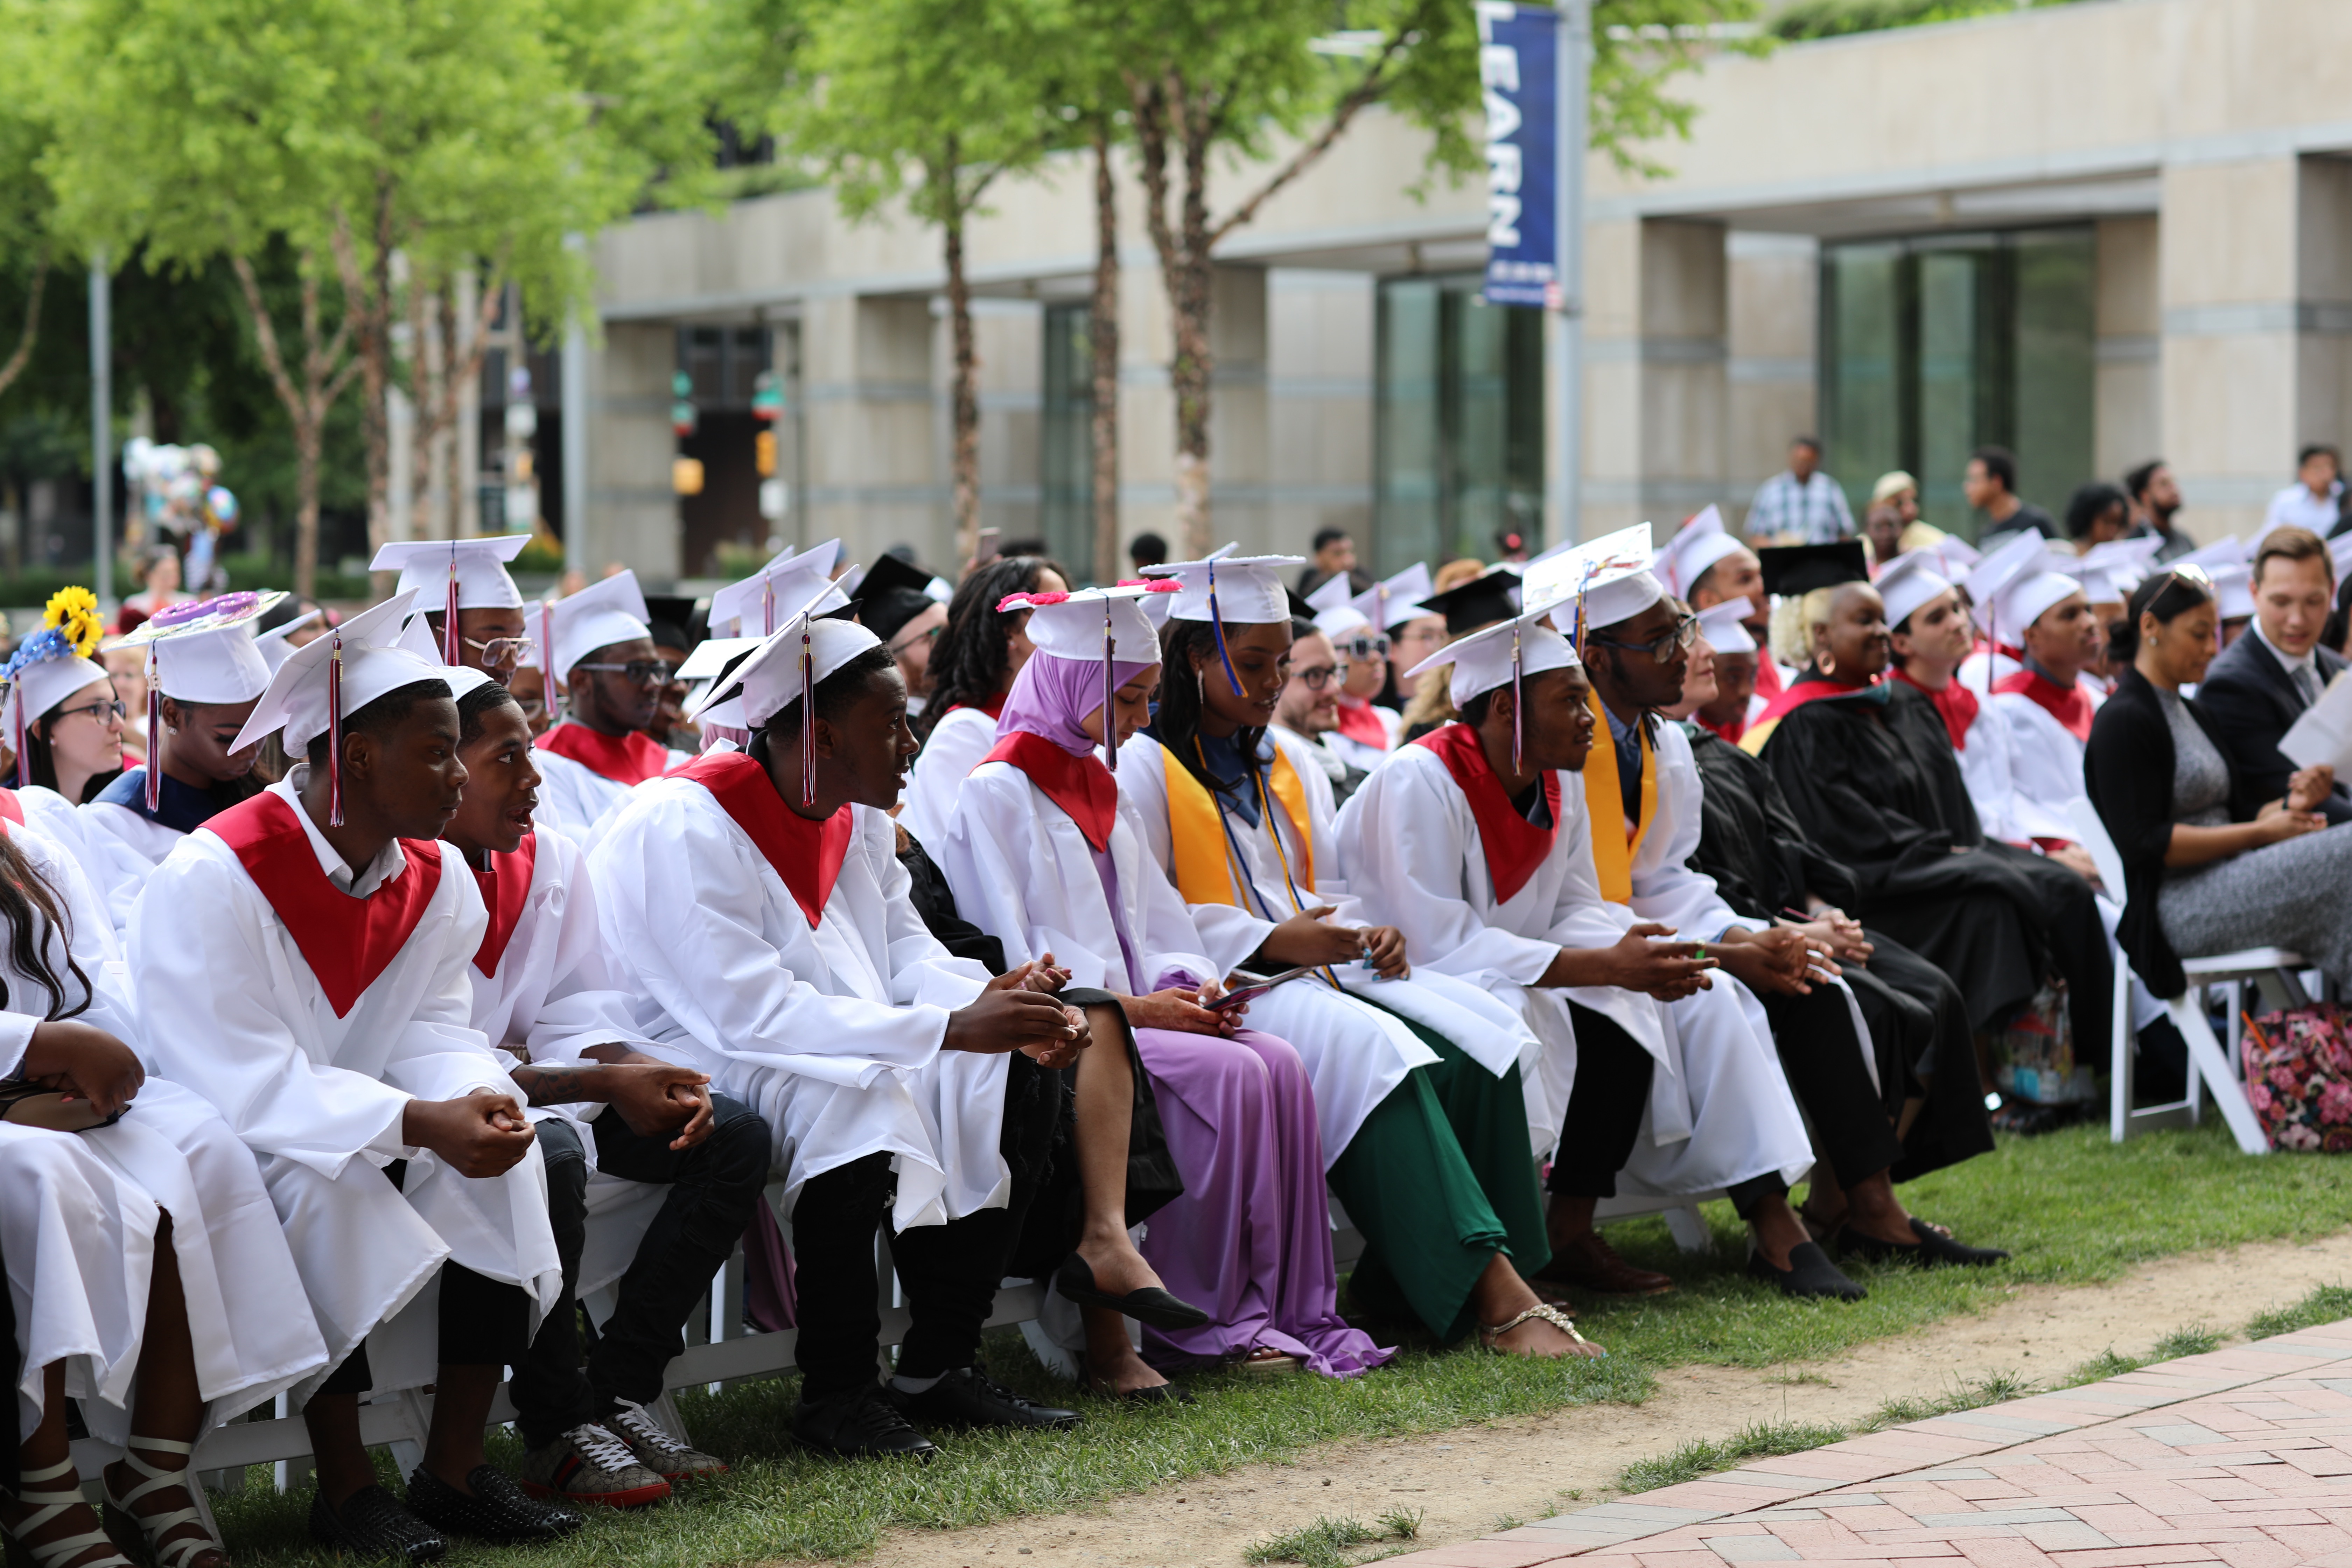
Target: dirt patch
(1465, 1483)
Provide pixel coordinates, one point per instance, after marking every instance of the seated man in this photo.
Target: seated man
(1472, 841)
(678, 1171)
(755, 904)
(1310, 706)
(321, 1004)
(2259, 686)
(600, 656)
(470, 576)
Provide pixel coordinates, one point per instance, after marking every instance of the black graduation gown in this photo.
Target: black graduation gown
(1873, 778)
(1757, 851)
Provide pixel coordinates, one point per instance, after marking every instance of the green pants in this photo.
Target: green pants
(1439, 1179)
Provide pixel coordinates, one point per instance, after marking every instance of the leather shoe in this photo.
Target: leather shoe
(374, 1527)
(1151, 1306)
(1934, 1246)
(860, 1424)
(1809, 1275)
(967, 1398)
(1589, 1263)
(500, 1509)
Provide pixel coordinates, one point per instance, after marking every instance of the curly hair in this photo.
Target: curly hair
(32, 910)
(969, 661)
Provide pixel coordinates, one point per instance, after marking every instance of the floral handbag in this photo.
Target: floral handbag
(2299, 1076)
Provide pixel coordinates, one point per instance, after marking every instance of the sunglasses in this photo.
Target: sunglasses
(1365, 647)
(638, 671)
(503, 650)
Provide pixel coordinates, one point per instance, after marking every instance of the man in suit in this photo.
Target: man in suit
(2261, 684)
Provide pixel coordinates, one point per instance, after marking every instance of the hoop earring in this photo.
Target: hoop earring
(1827, 660)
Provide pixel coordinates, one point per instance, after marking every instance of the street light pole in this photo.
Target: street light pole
(573, 399)
(102, 430)
(1575, 87)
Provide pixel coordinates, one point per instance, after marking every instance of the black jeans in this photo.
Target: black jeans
(481, 1321)
(949, 1272)
(713, 1188)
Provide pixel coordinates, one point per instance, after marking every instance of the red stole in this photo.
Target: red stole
(1799, 692)
(11, 808)
(505, 887)
(347, 941)
(1514, 847)
(806, 855)
(2071, 705)
(1081, 786)
(1731, 731)
(629, 759)
(1361, 724)
(1769, 685)
(995, 709)
(1955, 702)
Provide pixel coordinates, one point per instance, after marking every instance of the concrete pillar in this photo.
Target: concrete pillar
(1011, 335)
(1237, 408)
(1771, 377)
(1321, 329)
(631, 512)
(877, 459)
(2128, 395)
(2256, 287)
(1657, 353)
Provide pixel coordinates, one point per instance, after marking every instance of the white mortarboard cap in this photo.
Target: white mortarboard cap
(1909, 581)
(482, 581)
(1482, 660)
(1247, 588)
(2108, 584)
(2028, 595)
(1387, 603)
(2004, 566)
(464, 679)
(609, 611)
(820, 558)
(274, 644)
(711, 654)
(2233, 591)
(417, 636)
(1341, 620)
(1070, 626)
(1723, 630)
(1333, 594)
(2221, 552)
(1697, 546)
(373, 663)
(2138, 551)
(1957, 555)
(781, 589)
(940, 591)
(211, 656)
(770, 679)
(49, 667)
(1596, 569)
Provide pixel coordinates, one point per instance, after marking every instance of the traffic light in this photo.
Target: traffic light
(764, 453)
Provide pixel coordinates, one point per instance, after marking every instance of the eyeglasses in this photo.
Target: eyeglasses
(1365, 647)
(1320, 676)
(508, 651)
(99, 710)
(1684, 635)
(639, 671)
(930, 635)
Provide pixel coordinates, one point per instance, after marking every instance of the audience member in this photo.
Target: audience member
(2259, 684)
(2097, 513)
(2156, 501)
(1310, 706)
(1335, 556)
(1145, 550)
(1801, 505)
(1989, 485)
(2315, 499)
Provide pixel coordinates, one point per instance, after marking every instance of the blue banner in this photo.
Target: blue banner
(1518, 76)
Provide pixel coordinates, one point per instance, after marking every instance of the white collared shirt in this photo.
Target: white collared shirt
(2297, 506)
(389, 863)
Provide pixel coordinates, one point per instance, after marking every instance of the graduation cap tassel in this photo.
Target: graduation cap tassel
(154, 732)
(1518, 701)
(547, 654)
(808, 722)
(1217, 629)
(767, 605)
(451, 642)
(335, 731)
(17, 707)
(1110, 707)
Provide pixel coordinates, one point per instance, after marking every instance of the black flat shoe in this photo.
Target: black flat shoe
(1810, 1276)
(1933, 1247)
(374, 1527)
(970, 1398)
(860, 1424)
(500, 1511)
(1150, 1306)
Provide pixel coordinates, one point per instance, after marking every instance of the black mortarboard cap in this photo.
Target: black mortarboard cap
(891, 594)
(1793, 569)
(1481, 602)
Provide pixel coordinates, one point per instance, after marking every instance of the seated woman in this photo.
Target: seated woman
(1869, 771)
(1045, 853)
(63, 724)
(2206, 869)
(971, 668)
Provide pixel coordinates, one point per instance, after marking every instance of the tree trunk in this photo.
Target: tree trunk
(1102, 339)
(964, 399)
(23, 355)
(325, 375)
(367, 297)
(1189, 285)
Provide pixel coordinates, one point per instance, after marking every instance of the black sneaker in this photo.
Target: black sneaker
(860, 1424)
(1810, 1276)
(499, 1510)
(374, 1527)
(969, 1397)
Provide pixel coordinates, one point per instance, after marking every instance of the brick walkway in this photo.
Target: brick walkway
(2242, 1457)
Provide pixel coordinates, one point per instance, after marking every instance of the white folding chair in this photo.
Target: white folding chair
(2206, 1060)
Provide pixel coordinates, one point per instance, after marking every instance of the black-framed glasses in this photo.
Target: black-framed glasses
(1683, 636)
(1317, 676)
(507, 651)
(1365, 647)
(639, 671)
(99, 710)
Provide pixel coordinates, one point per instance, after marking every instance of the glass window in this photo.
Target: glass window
(1460, 422)
(1065, 467)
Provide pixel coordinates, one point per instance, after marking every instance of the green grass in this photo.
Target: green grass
(1760, 1440)
(2073, 1208)
(1322, 1544)
(2327, 1304)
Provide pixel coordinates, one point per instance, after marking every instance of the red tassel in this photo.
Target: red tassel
(335, 731)
(452, 645)
(1110, 692)
(808, 722)
(154, 732)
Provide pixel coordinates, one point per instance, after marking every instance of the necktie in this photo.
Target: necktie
(2307, 683)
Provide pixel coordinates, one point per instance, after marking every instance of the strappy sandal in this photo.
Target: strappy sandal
(153, 1527)
(48, 1506)
(1487, 1336)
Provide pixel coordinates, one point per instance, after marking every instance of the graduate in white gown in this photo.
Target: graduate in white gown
(599, 655)
(470, 576)
(756, 904)
(972, 667)
(651, 1179)
(1417, 1075)
(62, 723)
(300, 961)
(205, 674)
(1474, 842)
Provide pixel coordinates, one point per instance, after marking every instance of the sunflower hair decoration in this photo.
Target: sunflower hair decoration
(73, 613)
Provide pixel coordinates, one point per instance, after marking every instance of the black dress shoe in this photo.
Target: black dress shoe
(500, 1511)
(1150, 1306)
(1932, 1248)
(860, 1424)
(1809, 1275)
(374, 1527)
(970, 1398)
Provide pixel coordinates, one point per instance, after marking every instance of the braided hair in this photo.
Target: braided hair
(974, 649)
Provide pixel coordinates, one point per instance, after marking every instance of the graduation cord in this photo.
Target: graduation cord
(1239, 864)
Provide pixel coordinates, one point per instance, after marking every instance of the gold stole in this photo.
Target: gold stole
(1613, 850)
(1205, 873)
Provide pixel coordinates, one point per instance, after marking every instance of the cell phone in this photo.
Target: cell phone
(1257, 987)
(987, 549)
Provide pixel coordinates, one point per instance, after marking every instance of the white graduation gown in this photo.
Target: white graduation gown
(956, 746)
(1356, 1055)
(1986, 774)
(2045, 765)
(1411, 850)
(552, 995)
(578, 800)
(111, 874)
(1354, 752)
(833, 1035)
(128, 846)
(233, 1011)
